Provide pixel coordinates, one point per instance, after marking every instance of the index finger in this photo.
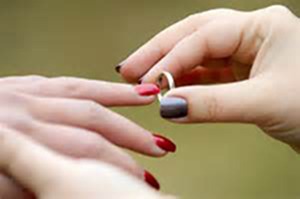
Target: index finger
(216, 40)
(141, 61)
(102, 92)
(137, 64)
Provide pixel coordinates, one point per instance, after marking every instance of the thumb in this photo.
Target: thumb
(234, 102)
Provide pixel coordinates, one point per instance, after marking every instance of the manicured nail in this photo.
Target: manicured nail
(118, 68)
(151, 180)
(164, 143)
(140, 81)
(173, 107)
(147, 89)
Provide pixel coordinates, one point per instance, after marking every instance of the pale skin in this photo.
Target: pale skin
(53, 176)
(252, 56)
(69, 115)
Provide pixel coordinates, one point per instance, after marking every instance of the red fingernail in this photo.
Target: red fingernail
(151, 180)
(164, 143)
(147, 89)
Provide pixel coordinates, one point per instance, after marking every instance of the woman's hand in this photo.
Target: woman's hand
(53, 176)
(68, 115)
(258, 52)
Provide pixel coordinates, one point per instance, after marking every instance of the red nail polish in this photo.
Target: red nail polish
(147, 89)
(150, 179)
(164, 143)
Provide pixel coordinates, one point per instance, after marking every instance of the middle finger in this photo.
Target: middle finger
(91, 116)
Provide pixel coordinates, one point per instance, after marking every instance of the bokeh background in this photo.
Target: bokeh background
(88, 38)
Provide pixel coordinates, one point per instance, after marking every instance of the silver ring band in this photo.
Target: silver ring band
(170, 80)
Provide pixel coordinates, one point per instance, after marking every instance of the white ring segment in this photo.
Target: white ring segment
(170, 80)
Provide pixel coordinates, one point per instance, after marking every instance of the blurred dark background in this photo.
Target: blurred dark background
(88, 38)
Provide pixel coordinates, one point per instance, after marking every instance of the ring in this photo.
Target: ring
(170, 80)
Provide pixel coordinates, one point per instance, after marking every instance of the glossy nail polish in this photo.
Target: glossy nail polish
(150, 179)
(164, 143)
(173, 107)
(147, 89)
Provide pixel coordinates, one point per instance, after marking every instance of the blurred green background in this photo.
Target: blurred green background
(88, 38)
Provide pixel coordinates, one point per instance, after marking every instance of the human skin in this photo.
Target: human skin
(230, 66)
(50, 175)
(251, 55)
(69, 115)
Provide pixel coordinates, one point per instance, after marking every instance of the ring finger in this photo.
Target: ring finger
(91, 116)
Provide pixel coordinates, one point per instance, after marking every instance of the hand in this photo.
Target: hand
(53, 176)
(254, 53)
(66, 114)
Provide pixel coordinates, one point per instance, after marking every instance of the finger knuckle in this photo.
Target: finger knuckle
(16, 113)
(278, 13)
(16, 98)
(91, 147)
(218, 12)
(92, 106)
(278, 9)
(93, 111)
(223, 10)
(24, 124)
(70, 85)
(192, 17)
(192, 20)
(213, 108)
(278, 20)
(36, 77)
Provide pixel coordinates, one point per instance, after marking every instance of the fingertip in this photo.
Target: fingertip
(165, 143)
(147, 92)
(151, 180)
(158, 146)
(147, 89)
(145, 100)
(173, 107)
(130, 73)
(140, 62)
(155, 150)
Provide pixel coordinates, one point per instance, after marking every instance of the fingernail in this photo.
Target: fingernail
(118, 68)
(140, 81)
(147, 89)
(164, 143)
(173, 107)
(151, 180)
